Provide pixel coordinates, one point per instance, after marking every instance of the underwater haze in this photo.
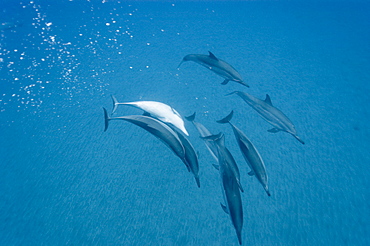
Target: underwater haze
(64, 181)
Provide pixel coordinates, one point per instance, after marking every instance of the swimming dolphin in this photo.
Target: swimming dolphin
(216, 65)
(269, 113)
(250, 154)
(228, 157)
(158, 110)
(230, 190)
(179, 144)
(204, 132)
(191, 158)
(157, 128)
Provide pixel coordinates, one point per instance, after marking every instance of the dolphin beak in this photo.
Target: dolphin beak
(243, 83)
(300, 140)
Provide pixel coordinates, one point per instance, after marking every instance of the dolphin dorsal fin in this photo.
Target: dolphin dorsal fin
(268, 100)
(191, 117)
(227, 118)
(212, 55)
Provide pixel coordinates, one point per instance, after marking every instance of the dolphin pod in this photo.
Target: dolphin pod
(166, 124)
(269, 113)
(250, 154)
(158, 110)
(229, 185)
(217, 66)
(176, 142)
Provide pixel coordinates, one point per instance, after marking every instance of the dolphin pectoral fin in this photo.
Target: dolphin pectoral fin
(211, 55)
(225, 82)
(268, 100)
(224, 208)
(216, 166)
(273, 130)
(251, 173)
(115, 104)
(106, 119)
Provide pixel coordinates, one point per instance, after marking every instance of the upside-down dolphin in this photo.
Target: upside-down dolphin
(158, 110)
(250, 154)
(216, 65)
(230, 190)
(269, 113)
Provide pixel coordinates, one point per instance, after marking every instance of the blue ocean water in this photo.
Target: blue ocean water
(64, 181)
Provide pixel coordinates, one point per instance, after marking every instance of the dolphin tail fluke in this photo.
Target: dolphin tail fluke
(106, 119)
(115, 104)
(227, 118)
(190, 117)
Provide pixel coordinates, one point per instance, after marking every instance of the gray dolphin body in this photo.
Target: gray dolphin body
(250, 154)
(269, 113)
(230, 189)
(228, 157)
(174, 140)
(191, 158)
(155, 127)
(204, 132)
(217, 66)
